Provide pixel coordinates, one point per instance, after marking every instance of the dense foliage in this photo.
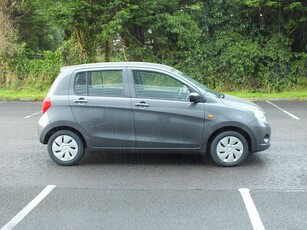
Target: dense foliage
(257, 45)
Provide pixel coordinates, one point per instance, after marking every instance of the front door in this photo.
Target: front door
(164, 118)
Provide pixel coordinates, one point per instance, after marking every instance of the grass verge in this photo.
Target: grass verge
(299, 95)
(23, 94)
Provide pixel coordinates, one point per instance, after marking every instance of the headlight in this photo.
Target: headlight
(260, 115)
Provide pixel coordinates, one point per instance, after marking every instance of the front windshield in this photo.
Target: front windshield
(208, 91)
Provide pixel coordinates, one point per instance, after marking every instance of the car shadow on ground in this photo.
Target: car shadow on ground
(140, 158)
(99, 158)
(255, 159)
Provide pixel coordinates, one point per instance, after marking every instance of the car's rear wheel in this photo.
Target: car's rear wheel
(65, 147)
(229, 148)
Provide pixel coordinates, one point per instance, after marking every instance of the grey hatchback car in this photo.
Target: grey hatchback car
(146, 108)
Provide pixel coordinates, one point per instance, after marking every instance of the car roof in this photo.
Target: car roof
(116, 64)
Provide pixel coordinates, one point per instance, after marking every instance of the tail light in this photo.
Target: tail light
(46, 104)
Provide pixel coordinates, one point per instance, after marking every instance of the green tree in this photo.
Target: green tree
(8, 33)
(247, 44)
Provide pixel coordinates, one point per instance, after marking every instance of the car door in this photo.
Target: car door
(102, 106)
(164, 118)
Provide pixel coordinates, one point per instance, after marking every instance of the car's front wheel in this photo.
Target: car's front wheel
(229, 148)
(65, 147)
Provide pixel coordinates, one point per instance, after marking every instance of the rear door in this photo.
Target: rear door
(101, 105)
(164, 118)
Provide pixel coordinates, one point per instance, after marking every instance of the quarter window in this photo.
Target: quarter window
(99, 83)
(159, 86)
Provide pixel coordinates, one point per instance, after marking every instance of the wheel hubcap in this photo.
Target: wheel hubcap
(229, 149)
(65, 148)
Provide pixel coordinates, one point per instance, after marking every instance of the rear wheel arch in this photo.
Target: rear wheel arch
(60, 128)
(65, 147)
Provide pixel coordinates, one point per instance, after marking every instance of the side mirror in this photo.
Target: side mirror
(195, 97)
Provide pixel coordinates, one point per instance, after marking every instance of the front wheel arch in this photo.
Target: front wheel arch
(229, 148)
(225, 129)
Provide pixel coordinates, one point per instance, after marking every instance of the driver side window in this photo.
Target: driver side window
(158, 86)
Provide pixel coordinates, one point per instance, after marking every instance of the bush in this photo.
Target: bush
(230, 61)
(37, 73)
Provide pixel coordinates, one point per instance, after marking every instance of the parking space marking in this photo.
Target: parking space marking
(251, 209)
(33, 114)
(1, 102)
(26, 210)
(286, 112)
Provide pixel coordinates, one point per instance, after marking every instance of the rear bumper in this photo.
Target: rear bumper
(42, 130)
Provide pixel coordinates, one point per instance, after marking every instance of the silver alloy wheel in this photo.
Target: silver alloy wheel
(65, 148)
(229, 149)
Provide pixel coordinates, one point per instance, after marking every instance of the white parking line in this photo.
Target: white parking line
(25, 211)
(286, 112)
(251, 209)
(33, 114)
(2, 102)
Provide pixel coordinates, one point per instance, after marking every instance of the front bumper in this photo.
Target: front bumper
(262, 138)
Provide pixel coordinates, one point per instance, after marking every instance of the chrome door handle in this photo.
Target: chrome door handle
(141, 104)
(80, 100)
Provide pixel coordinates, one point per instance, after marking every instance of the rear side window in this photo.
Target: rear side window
(80, 86)
(107, 83)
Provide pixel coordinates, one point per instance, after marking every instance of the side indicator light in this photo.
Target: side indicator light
(210, 116)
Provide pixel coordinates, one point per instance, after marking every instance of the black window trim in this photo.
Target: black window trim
(123, 70)
(169, 74)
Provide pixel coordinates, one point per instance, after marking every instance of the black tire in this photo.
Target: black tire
(229, 148)
(65, 148)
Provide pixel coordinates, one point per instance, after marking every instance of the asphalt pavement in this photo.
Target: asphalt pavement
(146, 191)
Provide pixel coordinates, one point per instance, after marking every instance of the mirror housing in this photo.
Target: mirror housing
(195, 98)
